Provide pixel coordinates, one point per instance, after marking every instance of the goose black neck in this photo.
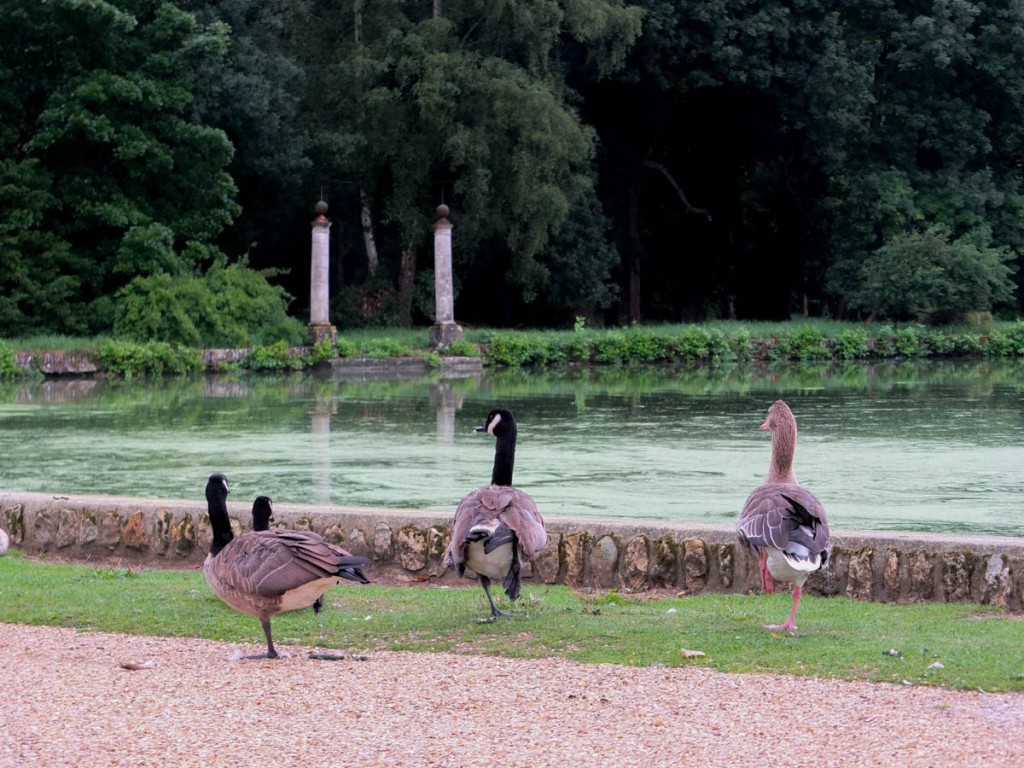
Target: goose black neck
(221, 524)
(504, 457)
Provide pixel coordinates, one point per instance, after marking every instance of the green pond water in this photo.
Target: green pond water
(915, 446)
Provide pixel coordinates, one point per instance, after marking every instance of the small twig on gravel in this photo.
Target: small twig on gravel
(337, 657)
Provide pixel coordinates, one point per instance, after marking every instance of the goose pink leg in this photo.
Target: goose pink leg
(767, 584)
(792, 613)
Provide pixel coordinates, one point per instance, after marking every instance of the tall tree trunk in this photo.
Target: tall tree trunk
(634, 256)
(406, 278)
(365, 215)
(372, 259)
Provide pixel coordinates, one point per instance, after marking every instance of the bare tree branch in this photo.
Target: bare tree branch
(679, 190)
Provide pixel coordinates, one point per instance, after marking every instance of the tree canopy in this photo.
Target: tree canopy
(616, 160)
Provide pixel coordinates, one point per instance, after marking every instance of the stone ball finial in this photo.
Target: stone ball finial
(442, 211)
(321, 208)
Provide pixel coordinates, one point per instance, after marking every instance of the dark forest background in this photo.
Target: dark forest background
(620, 162)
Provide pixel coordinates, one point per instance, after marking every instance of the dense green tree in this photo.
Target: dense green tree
(926, 276)
(97, 146)
(110, 184)
(466, 101)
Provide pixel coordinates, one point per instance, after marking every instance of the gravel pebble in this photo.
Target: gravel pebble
(67, 701)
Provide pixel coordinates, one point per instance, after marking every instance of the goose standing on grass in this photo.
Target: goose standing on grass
(783, 521)
(5, 541)
(264, 573)
(262, 517)
(497, 527)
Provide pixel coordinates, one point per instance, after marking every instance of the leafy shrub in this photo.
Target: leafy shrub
(1006, 342)
(885, 342)
(8, 363)
(851, 344)
(322, 351)
(808, 343)
(736, 348)
(929, 275)
(273, 357)
(345, 348)
(129, 359)
(229, 306)
(461, 348)
(381, 348)
(515, 349)
(908, 341)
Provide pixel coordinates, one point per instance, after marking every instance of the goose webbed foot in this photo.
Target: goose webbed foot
(789, 623)
(495, 612)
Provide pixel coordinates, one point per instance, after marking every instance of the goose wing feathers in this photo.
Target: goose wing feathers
(274, 562)
(779, 515)
(495, 505)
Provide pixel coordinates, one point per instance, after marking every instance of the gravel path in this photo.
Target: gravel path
(66, 701)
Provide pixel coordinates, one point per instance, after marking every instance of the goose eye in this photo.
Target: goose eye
(494, 422)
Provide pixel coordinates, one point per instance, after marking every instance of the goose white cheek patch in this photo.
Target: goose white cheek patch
(494, 423)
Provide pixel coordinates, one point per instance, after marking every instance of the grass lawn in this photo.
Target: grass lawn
(955, 645)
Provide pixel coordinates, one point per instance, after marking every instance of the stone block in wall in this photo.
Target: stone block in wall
(860, 575)
(891, 576)
(13, 517)
(956, 576)
(1016, 602)
(665, 561)
(695, 565)
(411, 548)
(335, 534)
(184, 536)
(575, 558)
(357, 543)
(162, 522)
(383, 542)
(44, 531)
(437, 545)
(135, 532)
(725, 554)
(920, 577)
(636, 562)
(992, 582)
(68, 528)
(830, 581)
(108, 530)
(604, 562)
(547, 564)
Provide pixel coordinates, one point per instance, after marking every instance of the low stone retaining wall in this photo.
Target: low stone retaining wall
(596, 553)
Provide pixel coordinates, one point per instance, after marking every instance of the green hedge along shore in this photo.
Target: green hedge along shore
(713, 343)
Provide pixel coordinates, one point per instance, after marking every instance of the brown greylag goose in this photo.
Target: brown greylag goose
(265, 573)
(497, 527)
(262, 517)
(783, 521)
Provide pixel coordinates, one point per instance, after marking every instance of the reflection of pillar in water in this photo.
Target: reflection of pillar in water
(323, 409)
(448, 403)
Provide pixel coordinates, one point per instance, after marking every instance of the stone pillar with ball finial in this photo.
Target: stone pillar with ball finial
(444, 331)
(319, 278)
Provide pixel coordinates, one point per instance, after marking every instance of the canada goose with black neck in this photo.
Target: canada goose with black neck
(262, 517)
(265, 573)
(497, 527)
(781, 520)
